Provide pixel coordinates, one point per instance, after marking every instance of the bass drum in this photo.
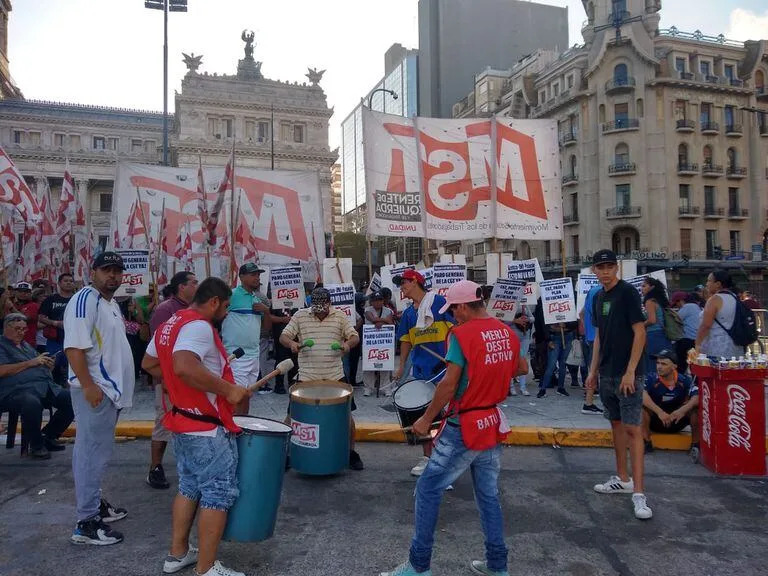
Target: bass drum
(411, 400)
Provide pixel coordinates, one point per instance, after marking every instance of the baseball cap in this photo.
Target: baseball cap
(108, 259)
(604, 257)
(409, 274)
(667, 354)
(462, 292)
(376, 296)
(677, 296)
(250, 268)
(22, 286)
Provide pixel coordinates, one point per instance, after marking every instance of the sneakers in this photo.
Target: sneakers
(591, 409)
(642, 511)
(355, 462)
(524, 392)
(418, 470)
(95, 532)
(512, 391)
(648, 446)
(109, 513)
(218, 569)
(263, 390)
(280, 389)
(156, 478)
(53, 444)
(367, 392)
(173, 564)
(541, 393)
(695, 453)
(406, 569)
(479, 567)
(40, 453)
(614, 485)
(562, 392)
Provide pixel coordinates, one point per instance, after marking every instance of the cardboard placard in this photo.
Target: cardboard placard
(287, 287)
(136, 277)
(447, 275)
(378, 348)
(505, 299)
(530, 271)
(557, 300)
(584, 284)
(387, 274)
(337, 271)
(343, 298)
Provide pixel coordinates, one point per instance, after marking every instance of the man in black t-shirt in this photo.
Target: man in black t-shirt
(51, 318)
(616, 360)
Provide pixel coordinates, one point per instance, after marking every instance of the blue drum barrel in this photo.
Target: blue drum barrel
(262, 447)
(320, 412)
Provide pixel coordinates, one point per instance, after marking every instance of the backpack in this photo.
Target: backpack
(743, 332)
(673, 325)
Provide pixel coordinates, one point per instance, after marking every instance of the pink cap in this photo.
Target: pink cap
(462, 292)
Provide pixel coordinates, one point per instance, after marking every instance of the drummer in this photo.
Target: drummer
(423, 328)
(483, 356)
(187, 352)
(325, 325)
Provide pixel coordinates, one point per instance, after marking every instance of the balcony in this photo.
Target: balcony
(623, 212)
(735, 172)
(687, 169)
(711, 79)
(570, 180)
(713, 213)
(688, 211)
(623, 169)
(764, 130)
(685, 75)
(710, 128)
(685, 125)
(621, 125)
(736, 82)
(570, 219)
(568, 139)
(712, 171)
(733, 130)
(738, 213)
(762, 93)
(620, 85)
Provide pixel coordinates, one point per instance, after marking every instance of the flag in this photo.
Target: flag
(135, 225)
(162, 251)
(14, 191)
(188, 258)
(202, 203)
(47, 229)
(27, 258)
(228, 183)
(8, 245)
(65, 217)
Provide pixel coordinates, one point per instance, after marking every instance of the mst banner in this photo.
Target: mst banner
(282, 209)
(471, 178)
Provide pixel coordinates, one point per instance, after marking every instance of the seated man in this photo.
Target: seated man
(26, 387)
(670, 403)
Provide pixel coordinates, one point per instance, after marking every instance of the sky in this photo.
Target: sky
(109, 52)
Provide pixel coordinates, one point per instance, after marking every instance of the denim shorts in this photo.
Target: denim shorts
(207, 468)
(618, 407)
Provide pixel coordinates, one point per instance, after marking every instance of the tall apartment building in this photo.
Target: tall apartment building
(663, 141)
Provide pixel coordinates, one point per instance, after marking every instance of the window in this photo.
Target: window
(285, 132)
(298, 133)
(569, 82)
(640, 108)
(759, 80)
(99, 143)
(18, 137)
(622, 196)
(685, 198)
(729, 116)
(213, 127)
(263, 131)
(685, 242)
(105, 202)
(735, 238)
(555, 90)
(710, 197)
(711, 236)
(733, 201)
(706, 112)
(682, 155)
(708, 155)
(250, 130)
(575, 207)
(680, 64)
(149, 146)
(621, 154)
(542, 96)
(681, 109)
(729, 71)
(479, 248)
(601, 113)
(137, 145)
(573, 165)
(74, 142)
(620, 74)
(228, 127)
(732, 158)
(621, 114)
(575, 245)
(34, 138)
(705, 67)
(548, 250)
(58, 140)
(103, 242)
(619, 6)
(113, 143)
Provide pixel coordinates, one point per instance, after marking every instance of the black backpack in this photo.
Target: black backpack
(743, 332)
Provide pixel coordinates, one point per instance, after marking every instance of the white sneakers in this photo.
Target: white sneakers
(173, 564)
(615, 485)
(418, 470)
(218, 569)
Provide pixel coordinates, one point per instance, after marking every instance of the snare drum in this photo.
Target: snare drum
(411, 400)
(262, 447)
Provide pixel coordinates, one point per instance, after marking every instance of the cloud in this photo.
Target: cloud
(747, 25)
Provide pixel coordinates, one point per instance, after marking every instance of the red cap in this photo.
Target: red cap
(410, 274)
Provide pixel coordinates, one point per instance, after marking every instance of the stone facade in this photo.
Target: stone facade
(8, 88)
(338, 220)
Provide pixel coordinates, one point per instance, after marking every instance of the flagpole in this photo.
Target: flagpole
(232, 215)
(146, 237)
(233, 260)
(160, 249)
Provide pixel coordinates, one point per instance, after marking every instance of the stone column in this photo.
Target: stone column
(41, 187)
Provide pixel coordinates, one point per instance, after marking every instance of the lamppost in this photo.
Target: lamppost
(387, 90)
(166, 6)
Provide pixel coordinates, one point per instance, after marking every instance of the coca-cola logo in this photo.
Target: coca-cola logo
(706, 422)
(739, 430)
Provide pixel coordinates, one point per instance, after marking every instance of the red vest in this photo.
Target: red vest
(183, 396)
(492, 351)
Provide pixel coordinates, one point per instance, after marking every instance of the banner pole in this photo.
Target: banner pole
(369, 243)
(156, 297)
(562, 259)
(146, 237)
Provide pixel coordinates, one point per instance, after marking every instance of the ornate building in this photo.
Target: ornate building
(8, 88)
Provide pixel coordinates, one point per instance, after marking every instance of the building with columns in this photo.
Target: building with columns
(663, 141)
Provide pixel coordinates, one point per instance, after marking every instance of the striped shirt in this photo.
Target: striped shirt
(320, 362)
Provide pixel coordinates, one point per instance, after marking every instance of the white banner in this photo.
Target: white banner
(387, 274)
(453, 259)
(452, 178)
(429, 277)
(505, 299)
(530, 271)
(557, 300)
(136, 277)
(446, 275)
(627, 269)
(343, 298)
(375, 284)
(378, 348)
(496, 265)
(337, 270)
(584, 284)
(282, 209)
(287, 287)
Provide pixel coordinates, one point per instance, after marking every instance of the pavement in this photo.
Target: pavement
(359, 523)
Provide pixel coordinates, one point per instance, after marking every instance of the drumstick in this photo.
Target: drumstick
(236, 353)
(405, 430)
(307, 344)
(432, 352)
(281, 368)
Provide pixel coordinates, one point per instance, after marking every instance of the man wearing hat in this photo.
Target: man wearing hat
(248, 315)
(483, 357)
(376, 314)
(670, 402)
(101, 380)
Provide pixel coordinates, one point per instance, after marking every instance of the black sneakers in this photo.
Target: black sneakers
(156, 478)
(591, 409)
(40, 453)
(355, 463)
(541, 393)
(54, 445)
(95, 532)
(562, 392)
(109, 513)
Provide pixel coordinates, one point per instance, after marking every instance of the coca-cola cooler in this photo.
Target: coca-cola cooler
(732, 420)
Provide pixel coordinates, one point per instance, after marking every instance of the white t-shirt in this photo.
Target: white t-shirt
(96, 325)
(197, 337)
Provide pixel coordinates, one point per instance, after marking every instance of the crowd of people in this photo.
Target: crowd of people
(79, 353)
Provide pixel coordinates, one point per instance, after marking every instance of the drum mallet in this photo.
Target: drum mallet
(307, 344)
(281, 368)
(236, 353)
(335, 346)
(403, 430)
(432, 352)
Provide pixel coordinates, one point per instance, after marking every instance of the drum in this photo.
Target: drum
(262, 447)
(411, 400)
(320, 414)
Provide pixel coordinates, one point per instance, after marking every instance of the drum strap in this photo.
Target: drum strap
(199, 417)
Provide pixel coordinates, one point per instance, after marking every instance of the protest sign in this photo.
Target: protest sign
(136, 278)
(429, 277)
(375, 284)
(584, 284)
(337, 270)
(557, 300)
(387, 274)
(505, 299)
(378, 348)
(496, 265)
(637, 281)
(453, 259)
(447, 275)
(287, 287)
(530, 271)
(343, 298)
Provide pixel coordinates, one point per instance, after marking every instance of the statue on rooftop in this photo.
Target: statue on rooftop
(247, 36)
(192, 61)
(314, 76)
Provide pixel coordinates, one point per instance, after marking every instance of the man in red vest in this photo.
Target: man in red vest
(483, 357)
(187, 352)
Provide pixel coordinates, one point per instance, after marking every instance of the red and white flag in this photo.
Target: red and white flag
(14, 191)
(202, 203)
(228, 183)
(47, 229)
(188, 258)
(65, 217)
(83, 244)
(162, 251)
(9, 243)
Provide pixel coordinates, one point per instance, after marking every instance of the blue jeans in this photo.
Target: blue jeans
(556, 357)
(450, 458)
(60, 364)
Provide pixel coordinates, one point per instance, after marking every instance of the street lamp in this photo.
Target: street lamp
(387, 90)
(166, 6)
